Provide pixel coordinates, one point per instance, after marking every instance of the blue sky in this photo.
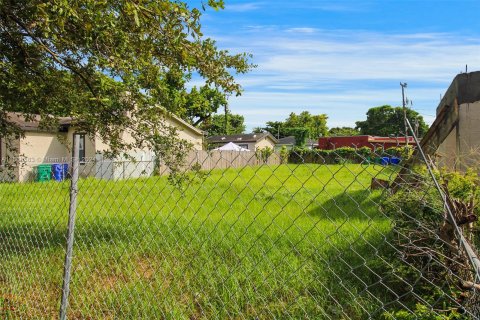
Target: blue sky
(343, 57)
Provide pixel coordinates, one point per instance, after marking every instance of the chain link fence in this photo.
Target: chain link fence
(343, 234)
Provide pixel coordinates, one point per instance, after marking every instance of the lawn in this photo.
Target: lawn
(258, 242)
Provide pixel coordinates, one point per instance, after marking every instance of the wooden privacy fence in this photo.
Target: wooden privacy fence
(209, 160)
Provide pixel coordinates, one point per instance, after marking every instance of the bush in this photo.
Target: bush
(421, 312)
(404, 152)
(347, 154)
(339, 155)
(284, 154)
(425, 253)
(263, 154)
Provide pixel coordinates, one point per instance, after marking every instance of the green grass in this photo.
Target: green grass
(262, 242)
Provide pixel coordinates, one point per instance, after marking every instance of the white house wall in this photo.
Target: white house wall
(265, 143)
(40, 148)
(188, 134)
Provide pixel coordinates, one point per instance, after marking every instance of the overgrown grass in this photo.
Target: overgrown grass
(262, 242)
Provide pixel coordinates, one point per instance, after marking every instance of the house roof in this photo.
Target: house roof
(183, 122)
(238, 138)
(32, 122)
(287, 140)
(290, 140)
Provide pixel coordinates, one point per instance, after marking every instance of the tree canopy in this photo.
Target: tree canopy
(343, 132)
(113, 66)
(215, 125)
(387, 120)
(314, 125)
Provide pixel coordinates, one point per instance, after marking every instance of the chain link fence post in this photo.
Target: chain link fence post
(71, 227)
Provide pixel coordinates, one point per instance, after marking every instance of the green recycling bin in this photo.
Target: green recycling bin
(44, 172)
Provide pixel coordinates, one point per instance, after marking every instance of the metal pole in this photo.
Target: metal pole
(226, 119)
(71, 227)
(404, 85)
(474, 260)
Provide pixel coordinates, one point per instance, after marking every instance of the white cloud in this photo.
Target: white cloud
(344, 72)
(423, 57)
(302, 30)
(343, 107)
(244, 7)
(331, 6)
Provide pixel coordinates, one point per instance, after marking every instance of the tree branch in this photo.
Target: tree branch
(52, 53)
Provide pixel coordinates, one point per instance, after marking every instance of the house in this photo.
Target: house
(41, 146)
(289, 143)
(455, 134)
(250, 141)
(372, 142)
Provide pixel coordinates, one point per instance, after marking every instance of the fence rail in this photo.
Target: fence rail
(239, 236)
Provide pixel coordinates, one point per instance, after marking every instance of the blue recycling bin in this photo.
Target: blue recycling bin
(65, 170)
(395, 161)
(59, 171)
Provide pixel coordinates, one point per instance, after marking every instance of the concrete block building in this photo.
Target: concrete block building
(459, 111)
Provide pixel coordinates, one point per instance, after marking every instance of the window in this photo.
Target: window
(81, 147)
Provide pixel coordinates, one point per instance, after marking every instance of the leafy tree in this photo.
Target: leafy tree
(343, 132)
(314, 125)
(276, 128)
(258, 130)
(300, 134)
(318, 126)
(386, 120)
(201, 104)
(113, 66)
(216, 124)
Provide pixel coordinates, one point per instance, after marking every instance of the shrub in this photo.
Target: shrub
(403, 152)
(339, 155)
(263, 154)
(426, 255)
(284, 153)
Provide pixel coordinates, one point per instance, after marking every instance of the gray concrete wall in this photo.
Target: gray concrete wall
(461, 149)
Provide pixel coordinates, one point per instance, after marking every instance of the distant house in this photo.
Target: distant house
(289, 143)
(372, 142)
(41, 146)
(250, 141)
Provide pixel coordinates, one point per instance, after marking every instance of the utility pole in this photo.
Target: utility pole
(226, 119)
(404, 85)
